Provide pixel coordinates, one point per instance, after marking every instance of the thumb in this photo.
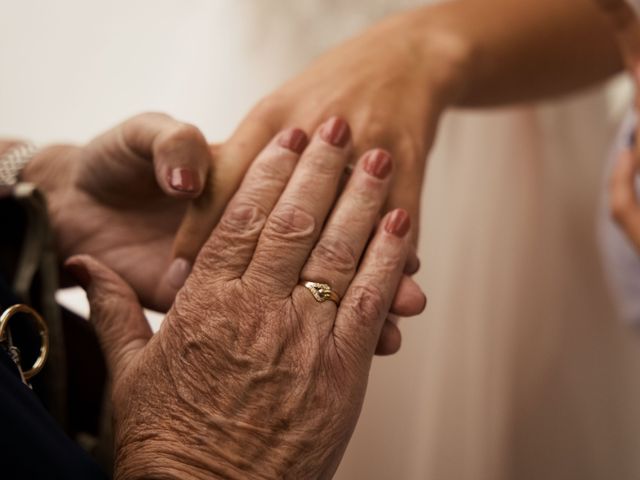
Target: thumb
(116, 313)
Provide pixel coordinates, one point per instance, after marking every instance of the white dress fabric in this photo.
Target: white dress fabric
(519, 368)
(621, 260)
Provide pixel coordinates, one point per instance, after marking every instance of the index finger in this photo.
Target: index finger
(178, 150)
(231, 163)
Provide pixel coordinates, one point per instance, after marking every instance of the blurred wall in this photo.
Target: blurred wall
(519, 369)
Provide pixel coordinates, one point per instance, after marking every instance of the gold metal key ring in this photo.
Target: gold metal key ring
(43, 331)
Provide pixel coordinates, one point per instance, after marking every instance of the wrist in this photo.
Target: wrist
(152, 458)
(49, 167)
(444, 56)
(50, 170)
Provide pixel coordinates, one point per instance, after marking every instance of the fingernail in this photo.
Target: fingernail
(295, 140)
(183, 180)
(378, 164)
(80, 273)
(336, 132)
(398, 223)
(178, 272)
(632, 138)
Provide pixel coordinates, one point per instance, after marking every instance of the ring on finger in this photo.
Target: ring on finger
(321, 292)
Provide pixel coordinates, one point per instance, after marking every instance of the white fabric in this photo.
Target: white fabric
(621, 259)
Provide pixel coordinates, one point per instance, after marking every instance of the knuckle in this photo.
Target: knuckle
(291, 221)
(266, 176)
(145, 117)
(236, 231)
(268, 107)
(410, 153)
(185, 133)
(241, 220)
(335, 253)
(183, 136)
(391, 255)
(368, 301)
(368, 193)
(378, 132)
(324, 162)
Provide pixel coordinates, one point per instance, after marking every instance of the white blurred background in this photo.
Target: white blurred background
(519, 369)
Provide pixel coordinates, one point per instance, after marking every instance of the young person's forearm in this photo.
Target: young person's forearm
(504, 51)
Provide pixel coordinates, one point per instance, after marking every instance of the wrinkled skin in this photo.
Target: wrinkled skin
(249, 376)
(114, 199)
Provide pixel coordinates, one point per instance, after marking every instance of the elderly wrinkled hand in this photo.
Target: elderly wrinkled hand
(249, 374)
(122, 196)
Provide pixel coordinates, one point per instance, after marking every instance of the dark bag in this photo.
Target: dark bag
(68, 394)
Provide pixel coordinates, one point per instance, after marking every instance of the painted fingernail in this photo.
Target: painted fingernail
(632, 138)
(184, 180)
(336, 132)
(295, 140)
(378, 164)
(178, 273)
(398, 223)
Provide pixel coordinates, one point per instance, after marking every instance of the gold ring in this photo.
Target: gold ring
(43, 330)
(322, 292)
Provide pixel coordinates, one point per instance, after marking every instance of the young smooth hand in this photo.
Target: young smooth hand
(390, 83)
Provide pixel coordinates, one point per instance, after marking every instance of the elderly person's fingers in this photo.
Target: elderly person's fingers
(390, 339)
(410, 300)
(234, 240)
(336, 255)
(179, 151)
(232, 159)
(623, 200)
(365, 305)
(296, 221)
(116, 313)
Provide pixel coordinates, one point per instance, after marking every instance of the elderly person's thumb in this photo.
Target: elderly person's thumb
(116, 312)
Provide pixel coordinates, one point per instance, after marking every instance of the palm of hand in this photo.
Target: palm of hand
(115, 211)
(121, 198)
